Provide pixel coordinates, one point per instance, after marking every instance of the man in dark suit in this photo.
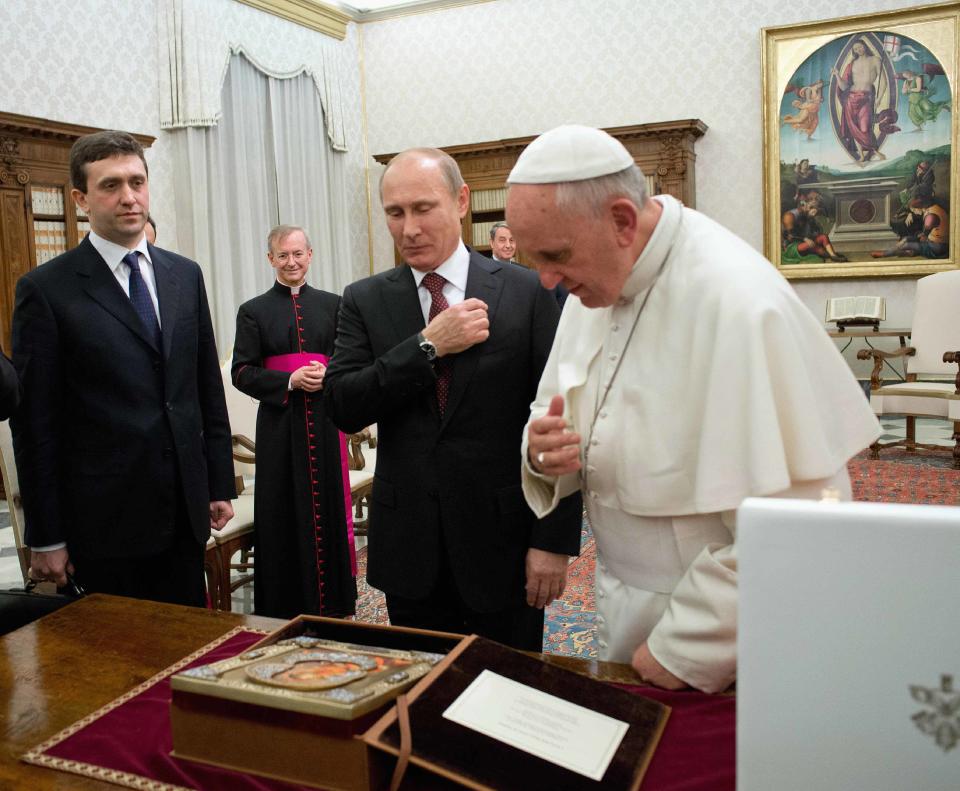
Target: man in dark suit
(503, 248)
(122, 439)
(444, 354)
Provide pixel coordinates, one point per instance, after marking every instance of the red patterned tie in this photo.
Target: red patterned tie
(434, 284)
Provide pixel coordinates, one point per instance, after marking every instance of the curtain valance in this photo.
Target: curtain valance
(196, 39)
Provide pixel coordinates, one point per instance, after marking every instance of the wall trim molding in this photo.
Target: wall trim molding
(401, 9)
(311, 14)
(12, 124)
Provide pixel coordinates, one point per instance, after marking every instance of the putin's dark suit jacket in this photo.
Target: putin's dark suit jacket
(112, 431)
(459, 475)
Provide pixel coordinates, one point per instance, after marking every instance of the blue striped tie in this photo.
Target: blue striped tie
(140, 298)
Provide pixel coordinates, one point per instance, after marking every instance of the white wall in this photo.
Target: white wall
(519, 67)
(94, 62)
(479, 72)
(89, 62)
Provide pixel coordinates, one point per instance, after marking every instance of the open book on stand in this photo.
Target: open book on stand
(856, 311)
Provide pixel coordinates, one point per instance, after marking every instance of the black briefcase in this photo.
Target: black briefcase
(20, 606)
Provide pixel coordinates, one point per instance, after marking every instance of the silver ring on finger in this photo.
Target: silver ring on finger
(540, 458)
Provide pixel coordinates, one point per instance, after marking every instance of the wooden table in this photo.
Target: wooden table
(69, 664)
(869, 332)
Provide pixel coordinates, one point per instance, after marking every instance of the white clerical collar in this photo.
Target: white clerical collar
(295, 290)
(454, 270)
(113, 253)
(658, 246)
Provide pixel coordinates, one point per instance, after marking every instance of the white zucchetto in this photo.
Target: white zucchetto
(570, 153)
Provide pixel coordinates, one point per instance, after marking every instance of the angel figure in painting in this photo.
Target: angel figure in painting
(807, 117)
(916, 87)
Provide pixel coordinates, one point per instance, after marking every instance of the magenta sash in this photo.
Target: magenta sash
(288, 363)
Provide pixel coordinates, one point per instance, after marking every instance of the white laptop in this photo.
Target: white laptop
(849, 647)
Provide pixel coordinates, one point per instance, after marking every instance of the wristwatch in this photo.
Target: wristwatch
(426, 347)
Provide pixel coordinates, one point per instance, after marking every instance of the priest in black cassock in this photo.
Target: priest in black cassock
(305, 561)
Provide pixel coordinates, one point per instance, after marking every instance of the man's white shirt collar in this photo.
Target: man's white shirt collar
(455, 269)
(113, 253)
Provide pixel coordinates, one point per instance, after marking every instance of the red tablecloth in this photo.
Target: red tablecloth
(697, 751)
(129, 739)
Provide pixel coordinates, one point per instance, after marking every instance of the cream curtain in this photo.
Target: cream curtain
(266, 162)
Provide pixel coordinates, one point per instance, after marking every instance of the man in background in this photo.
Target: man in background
(686, 375)
(502, 245)
(150, 230)
(122, 440)
(503, 248)
(443, 354)
(305, 561)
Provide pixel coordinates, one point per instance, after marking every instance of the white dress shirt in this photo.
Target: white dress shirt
(455, 269)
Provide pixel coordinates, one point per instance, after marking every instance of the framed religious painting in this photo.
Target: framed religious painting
(860, 132)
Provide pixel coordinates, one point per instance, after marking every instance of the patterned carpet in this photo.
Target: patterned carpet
(569, 627)
(897, 477)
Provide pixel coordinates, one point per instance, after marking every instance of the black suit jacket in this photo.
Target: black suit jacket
(559, 291)
(458, 476)
(112, 431)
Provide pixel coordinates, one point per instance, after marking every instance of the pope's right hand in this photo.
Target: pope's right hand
(551, 449)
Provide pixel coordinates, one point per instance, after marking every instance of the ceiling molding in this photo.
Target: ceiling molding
(310, 13)
(362, 14)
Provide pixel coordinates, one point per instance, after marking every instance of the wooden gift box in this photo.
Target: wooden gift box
(445, 755)
(269, 735)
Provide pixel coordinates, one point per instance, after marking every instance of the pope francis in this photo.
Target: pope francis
(685, 376)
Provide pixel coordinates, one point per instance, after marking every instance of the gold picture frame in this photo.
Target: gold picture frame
(859, 131)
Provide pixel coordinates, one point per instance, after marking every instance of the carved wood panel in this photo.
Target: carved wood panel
(15, 244)
(663, 151)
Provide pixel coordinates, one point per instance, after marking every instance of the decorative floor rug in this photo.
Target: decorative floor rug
(568, 625)
(926, 478)
(898, 477)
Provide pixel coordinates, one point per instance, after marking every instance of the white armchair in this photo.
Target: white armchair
(237, 536)
(934, 353)
(362, 463)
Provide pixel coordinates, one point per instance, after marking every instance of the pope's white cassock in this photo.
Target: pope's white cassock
(722, 386)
